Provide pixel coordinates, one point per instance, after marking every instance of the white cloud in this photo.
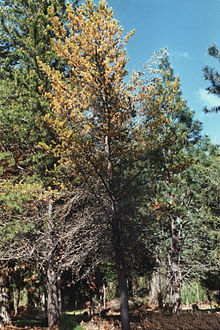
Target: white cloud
(177, 54)
(208, 99)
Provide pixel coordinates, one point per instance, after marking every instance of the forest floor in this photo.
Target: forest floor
(145, 317)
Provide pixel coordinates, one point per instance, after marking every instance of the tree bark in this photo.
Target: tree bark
(17, 296)
(53, 311)
(117, 244)
(159, 286)
(175, 271)
(53, 314)
(122, 278)
(104, 296)
(4, 300)
(123, 297)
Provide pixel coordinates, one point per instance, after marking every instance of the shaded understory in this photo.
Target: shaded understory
(144, 317)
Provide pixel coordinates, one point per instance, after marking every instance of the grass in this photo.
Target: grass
(70, 321)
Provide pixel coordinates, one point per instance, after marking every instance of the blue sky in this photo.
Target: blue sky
(187, 28)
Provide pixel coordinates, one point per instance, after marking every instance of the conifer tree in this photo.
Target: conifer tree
(24, 35)
(213, 76)
(100, 121)
(180, 144)
(178, 203)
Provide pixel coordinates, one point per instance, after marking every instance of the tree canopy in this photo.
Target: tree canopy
(212, 75)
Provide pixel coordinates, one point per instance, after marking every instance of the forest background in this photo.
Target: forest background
(105, 174)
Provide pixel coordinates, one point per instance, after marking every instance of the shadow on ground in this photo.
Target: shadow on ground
(144, 317)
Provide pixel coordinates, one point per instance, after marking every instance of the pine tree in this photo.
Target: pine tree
(179, 147)
(24, 35)
(99, 122)
(185, 238)
(213, 76)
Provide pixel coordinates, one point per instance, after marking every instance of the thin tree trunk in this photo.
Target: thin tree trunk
(123, 297)
(175, 271)
(102, 299)
(45, 296)
(117, 244)
(197, 290)
(4, 300)
(91, 306)
(159, 286)
(153, 288)
(31, 300)
(209, 298)
(104, 296)
(120, 265)
(59, 298)
(53, 314)
(17, 296)
(187, 296)
(53, 311)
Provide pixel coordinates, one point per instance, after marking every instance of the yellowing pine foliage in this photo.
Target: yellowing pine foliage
(92, 106)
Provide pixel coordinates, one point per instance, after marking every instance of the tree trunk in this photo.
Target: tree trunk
(136, 284)
(159, 292)
(159, 286)
(175, 271)
(59, 295)
(187, 296)
(17, 296)
(104, 296)
(4, 300)
(123, 297)
(153, 288)
(102, 299)
(53, 314)
(117, 244)
(197, 290)
(209, 298)
(31, 300)
(122, 278)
